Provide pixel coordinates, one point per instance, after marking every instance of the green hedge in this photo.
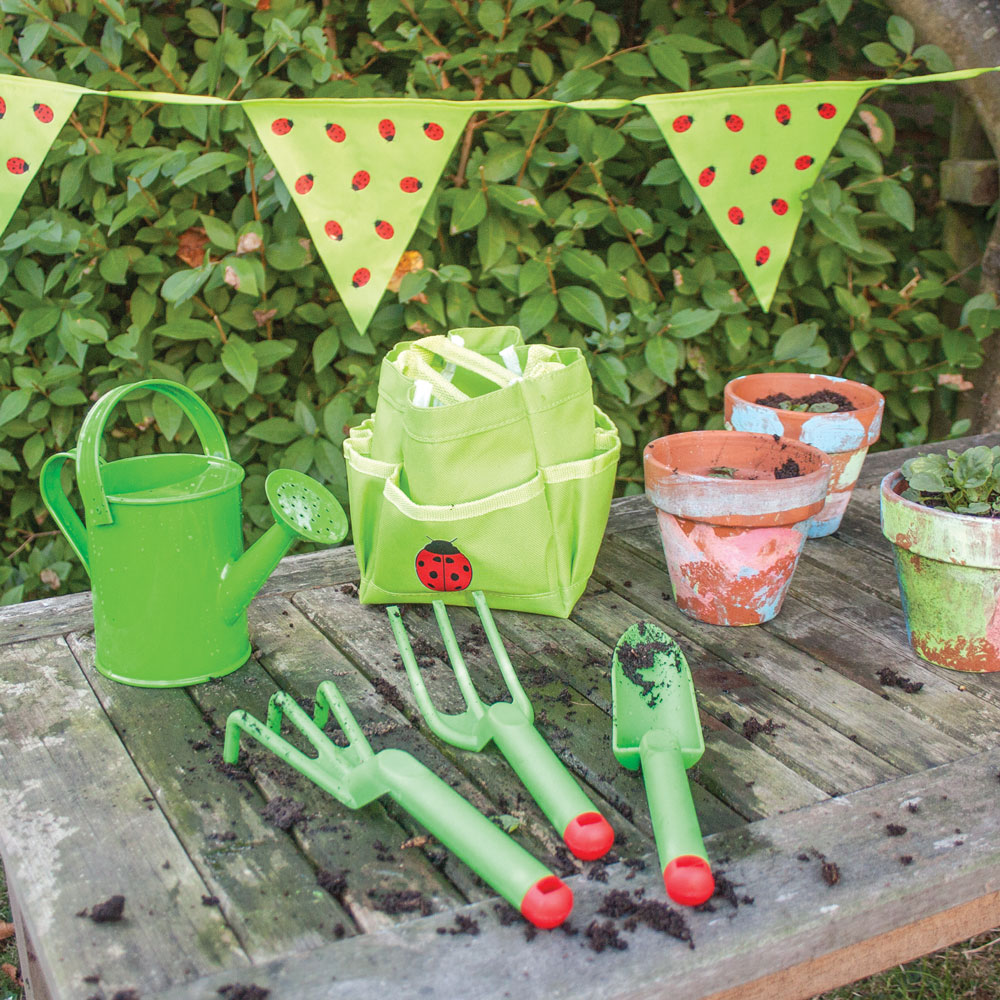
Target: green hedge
(577, 227)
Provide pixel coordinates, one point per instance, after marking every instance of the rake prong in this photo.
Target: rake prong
(328, 697)
(521, 700)
(439, 722)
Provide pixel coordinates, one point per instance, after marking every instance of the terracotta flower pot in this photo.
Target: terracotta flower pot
(732, 537)
(948, 567)
(845, 437)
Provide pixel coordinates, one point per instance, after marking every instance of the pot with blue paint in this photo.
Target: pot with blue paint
(844, 434)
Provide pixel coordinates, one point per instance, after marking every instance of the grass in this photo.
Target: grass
(966, 971)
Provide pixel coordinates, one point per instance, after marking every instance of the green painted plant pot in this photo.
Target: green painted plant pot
(948, 566)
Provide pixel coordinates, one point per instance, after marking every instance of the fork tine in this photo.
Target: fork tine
(521, 700)
(469, 693)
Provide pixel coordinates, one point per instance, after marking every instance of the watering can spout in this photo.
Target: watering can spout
(302, 508)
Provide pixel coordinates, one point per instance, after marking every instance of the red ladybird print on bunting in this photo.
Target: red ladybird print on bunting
(43, 113)
(783, 113)
(440, 566)
(734, 123)
(762, 256)
(384, 229)
(386, 129)
(758, 163)
(682, 123)
(433, 131)
(736, 216)
(706, 176)
(804, 162)
(779, 206)
(826, 110)
(335, 133)
(304, 184)
(334, 230)
(3, 107)
(361, 277)
(282, 126)
(410, 184)
(16, 165)
(360, 180)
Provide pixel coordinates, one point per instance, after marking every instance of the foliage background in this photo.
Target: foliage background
(157, 240)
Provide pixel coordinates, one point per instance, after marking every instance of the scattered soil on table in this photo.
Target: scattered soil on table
(200, 745)
(789, 469)
(895, 829)
(463, 925)
(110, 911)
(655, 915)
(283, 812)
(390, 693)
(383, 852)
(351, 589)
(604, 935)
(726, 889)
(754, 727)
(400, 901)
(642, 656)
(843, 404)
(506, 914)
(239, 991)
(235, 772)
(830, 872)
(634, 865)
(335, 883)
(906, 859)
(888, 677)
(126, 995)
(209, 900)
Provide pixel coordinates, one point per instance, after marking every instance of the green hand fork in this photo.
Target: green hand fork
(511, 727)
(655, 723)
(355, 775)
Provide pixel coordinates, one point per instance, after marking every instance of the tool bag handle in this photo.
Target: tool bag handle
(88, 451)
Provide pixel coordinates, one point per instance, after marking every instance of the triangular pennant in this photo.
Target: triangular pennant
(751, 153)
(31, 114)
(361, 173)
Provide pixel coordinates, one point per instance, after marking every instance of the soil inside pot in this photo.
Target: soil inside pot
(789, 469)
(803, 403)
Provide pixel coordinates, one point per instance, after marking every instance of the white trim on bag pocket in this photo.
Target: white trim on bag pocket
(460, 511)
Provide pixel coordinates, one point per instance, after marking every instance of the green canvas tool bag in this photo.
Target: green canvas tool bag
(486, 466)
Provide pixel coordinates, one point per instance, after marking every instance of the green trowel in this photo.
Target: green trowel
(655, 725)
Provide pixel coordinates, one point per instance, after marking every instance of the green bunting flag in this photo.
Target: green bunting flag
(31, 114)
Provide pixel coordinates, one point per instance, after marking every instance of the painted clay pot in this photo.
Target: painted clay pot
(732, 540)
(845, 437)
(948, 566)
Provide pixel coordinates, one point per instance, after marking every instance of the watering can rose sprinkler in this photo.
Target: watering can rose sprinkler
(163, 544)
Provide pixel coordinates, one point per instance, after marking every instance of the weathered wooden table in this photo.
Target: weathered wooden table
(254, 877)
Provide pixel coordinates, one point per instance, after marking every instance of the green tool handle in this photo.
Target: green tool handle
(671, 808)
(50, 486)
(543, 773)
(485, 848)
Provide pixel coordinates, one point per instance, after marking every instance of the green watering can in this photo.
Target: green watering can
(163, 545)
(655, 725)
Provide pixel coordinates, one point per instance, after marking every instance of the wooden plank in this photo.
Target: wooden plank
(364, 844)
(874, 955)
(887, 731)
(874, 575)
(298, 656)
(35, 986)
(76, 811)
(363, 633)
(241, 857)
(795, 918)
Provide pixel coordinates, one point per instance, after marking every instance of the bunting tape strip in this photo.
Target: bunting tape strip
(361, 170)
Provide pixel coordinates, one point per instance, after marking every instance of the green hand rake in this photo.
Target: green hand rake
(355, 775)
(511, 727)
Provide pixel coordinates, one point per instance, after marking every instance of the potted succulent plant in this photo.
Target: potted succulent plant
(942, 515)
(732, 508)
(838, 416)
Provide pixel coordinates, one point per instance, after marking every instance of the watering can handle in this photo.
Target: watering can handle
(50, 485)
(207, 427)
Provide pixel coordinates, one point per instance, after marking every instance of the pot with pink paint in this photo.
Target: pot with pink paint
(733, 508)
(845, 431)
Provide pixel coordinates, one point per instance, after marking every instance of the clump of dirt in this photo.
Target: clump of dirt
(126, 995)
(604, 935)
(789, 469)
(235, 772)
(830, 872)
(912, 807)
(821, 396)
(209, 900)
(463, 925)
(655, 915)
(108, 912)
(642, 656)
(754, 727)
(239, 991)
(906, 859)
(335, 883)
(390, 693)
(895, 829)
(726, 889)
(888, 677)
(350, 589)
(283, 812)
(506, 914)
(400, 901)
